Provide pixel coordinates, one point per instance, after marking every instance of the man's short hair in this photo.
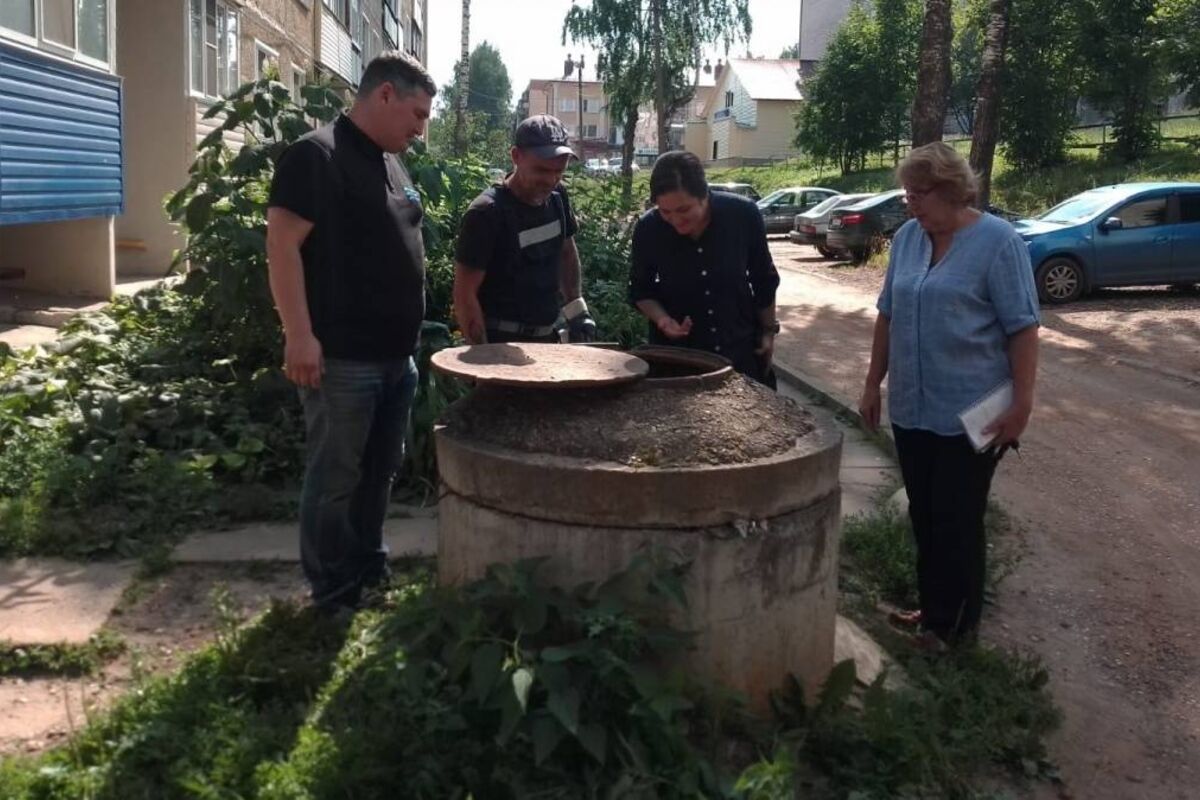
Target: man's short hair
(402, 71)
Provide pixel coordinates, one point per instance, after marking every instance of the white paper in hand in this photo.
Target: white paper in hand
(984, 412)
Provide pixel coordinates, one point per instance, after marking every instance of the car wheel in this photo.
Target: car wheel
(1059, 280)
(828, 252)
(860, 255)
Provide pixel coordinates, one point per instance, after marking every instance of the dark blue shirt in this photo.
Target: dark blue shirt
(721, 280)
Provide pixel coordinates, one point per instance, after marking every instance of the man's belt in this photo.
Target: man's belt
(519, 328)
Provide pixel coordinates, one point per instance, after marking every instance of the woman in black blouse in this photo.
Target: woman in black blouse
(702, 273)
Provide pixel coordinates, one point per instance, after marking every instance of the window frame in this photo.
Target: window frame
(261, 47)
(729, 98)
(221, 32)
(38, 40)
(297, 71)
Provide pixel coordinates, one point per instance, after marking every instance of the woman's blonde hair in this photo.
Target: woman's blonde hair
(938, 167)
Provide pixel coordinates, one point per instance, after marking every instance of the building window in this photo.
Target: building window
(58, 22)
(391, 24)
(716, 145)
(589, 131)
(729, 99)
(567, 105)
(418, 41)
(339, 9)
(266, 62)
(298, 81)
(80, 26)
(17, 16)
(591, 105)
(213, 35)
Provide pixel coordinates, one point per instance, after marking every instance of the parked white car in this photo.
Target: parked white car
(812, 226)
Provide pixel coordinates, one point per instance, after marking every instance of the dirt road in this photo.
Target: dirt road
(1108, 491)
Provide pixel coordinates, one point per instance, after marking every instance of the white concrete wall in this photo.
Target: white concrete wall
(152, 57)
(73, 258)
(773, 137)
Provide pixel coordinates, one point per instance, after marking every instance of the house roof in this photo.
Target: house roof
(768, 79)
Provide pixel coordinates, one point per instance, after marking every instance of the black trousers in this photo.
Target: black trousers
(947, 484)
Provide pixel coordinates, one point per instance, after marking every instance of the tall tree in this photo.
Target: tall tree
(1041, 83)
(650, 49)
(1180, 26)
(1120, 43)
(679, 30)
(933, 73)
(791, 52)
(966, 57)
(489, 88)
(898, 24)
(618, 30)
(990, 99)
(843, 115)
(461, 142)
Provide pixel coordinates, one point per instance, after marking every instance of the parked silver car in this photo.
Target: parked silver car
(781, 206)
(812, 226)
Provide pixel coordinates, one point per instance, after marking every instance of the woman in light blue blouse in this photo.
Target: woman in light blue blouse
(958, 317)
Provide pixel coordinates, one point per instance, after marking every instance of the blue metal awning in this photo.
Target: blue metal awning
(61, 152)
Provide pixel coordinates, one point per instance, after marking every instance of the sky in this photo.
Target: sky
(530, 40)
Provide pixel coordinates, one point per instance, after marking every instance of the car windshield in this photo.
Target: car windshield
(773, 196)
(824, 205)
(1077, 209)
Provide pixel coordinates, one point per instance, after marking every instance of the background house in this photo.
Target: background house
(61, 150)
(561, 98)
(749, 116)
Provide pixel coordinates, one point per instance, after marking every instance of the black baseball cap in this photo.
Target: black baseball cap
(544, 136)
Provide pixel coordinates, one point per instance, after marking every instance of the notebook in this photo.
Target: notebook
(984, 412)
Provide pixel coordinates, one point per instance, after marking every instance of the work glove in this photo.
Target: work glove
(578, 323)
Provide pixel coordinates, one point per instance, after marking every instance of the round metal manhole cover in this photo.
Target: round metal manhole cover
(550, 366)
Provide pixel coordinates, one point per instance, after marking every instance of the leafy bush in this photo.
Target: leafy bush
(506, 688)
(122, 434)
(605, 241)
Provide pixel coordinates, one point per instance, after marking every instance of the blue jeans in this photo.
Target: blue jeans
(356, 423)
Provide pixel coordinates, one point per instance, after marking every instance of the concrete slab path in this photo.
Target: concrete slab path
(48, 601)
(404, 536)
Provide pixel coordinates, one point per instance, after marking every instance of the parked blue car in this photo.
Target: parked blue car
(1131, 234)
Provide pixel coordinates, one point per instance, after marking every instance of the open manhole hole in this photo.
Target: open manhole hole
(681, 367)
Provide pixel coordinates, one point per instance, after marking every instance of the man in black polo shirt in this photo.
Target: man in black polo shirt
(516, 262)
(347, 268)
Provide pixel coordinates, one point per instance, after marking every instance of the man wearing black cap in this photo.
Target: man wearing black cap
(516, 270)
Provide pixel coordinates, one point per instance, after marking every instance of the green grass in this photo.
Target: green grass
(292, 705)
(60, 659)
(1020, 191)
(880, 556)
